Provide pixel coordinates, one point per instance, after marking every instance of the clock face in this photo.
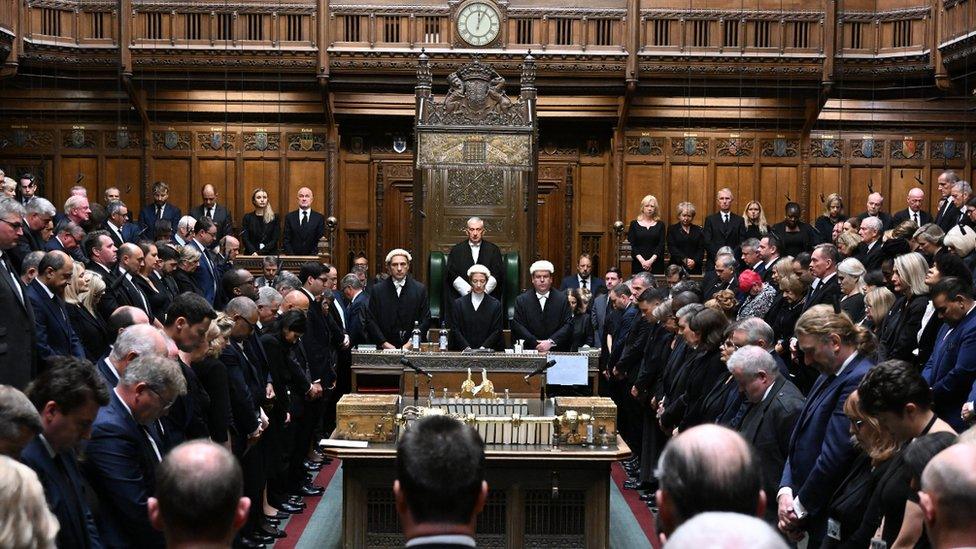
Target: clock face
(478, 23)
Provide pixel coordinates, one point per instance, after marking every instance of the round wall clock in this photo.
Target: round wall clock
(478, 23)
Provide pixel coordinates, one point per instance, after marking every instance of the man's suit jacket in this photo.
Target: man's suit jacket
(121, 467)
(717, 286)
(128, 293)
(629, 318)
(825, 293)
(459, 260)
(870, 259)
(533, 324)
(768, 426)
(26, 243)
(18, 340)
(299, 240)
(905, 215)
(130, 233)
(246, 394)
(718, 234)
(356, 312)
(595, 284)
(632, 349)
(206, 274)
(55, 336)
(55, 245)
(65, 495)
(391, 318)
(951, 370)
(221, 218)
(321, 343)
(820, 446)
(947, 217)
(147, 217)
(598, 316)
(883, 216)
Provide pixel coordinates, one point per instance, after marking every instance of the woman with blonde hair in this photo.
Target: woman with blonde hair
(9, 187)
(782, 268)
(833, 213)
(212, 375)
(877, 303)
(847, 243)
(755, 220)
(81, 297)
(189, 262)
(850, 277)
(260, 228)
(686, 242)
(899, 336)
(25, 520)
(646, 237)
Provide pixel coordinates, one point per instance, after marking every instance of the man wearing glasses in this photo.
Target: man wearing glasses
(19, 364)
(39, 212)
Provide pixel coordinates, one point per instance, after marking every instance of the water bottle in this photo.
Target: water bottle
(442, 339)
(415, 338)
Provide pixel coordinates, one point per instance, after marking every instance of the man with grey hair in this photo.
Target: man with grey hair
(724, 277)
(28, 269)
(768, 412)
(135, 341)
(961, 192)
(914, 211)
(287, 282)
(750, 255)
(948, 213)
(39, 212)
(55, 335)
(464, 254)
(869, 251)
(268, 302)
(354, 293)
(117, 224)
(67, 238)
(77, 209)
(719, 530)
(948, 497)
(270, 264)
(19, 421)
(19, 364)
(184, 230)
(126, 448)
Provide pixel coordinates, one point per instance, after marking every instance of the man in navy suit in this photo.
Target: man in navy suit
(158, 209)
(55, 336)
(947, 215)
(542, 315)
(67, 238)
(126, 447)
(820, 451)
(357, 303)
(951, 369)
(584, 278)
(134, 341)
(18, 361)
(204, 234)
(68, 397)
(304, 227)
(118, 226)
(214, 212)
(39, 213)
(914, 211)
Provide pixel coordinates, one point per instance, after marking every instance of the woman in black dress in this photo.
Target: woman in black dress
(646, 237)
(260, 228)
(184, 275)
(686, 241)
(158, 296)
(795, 235)
(833, 214)
(899, 335)
(755, 219)
(81, 297)
(850, 273)
(582, 323)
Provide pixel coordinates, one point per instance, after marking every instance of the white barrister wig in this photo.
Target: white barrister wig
(479, 269)
(542, 266)
(398, 251)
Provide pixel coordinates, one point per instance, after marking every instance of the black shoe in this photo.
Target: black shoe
(647, 497)
(311, 490)
(289, 509)
(257, 537)
(273, 521)
(633, 484)
(295, 499)
(279, 516)
(272, 531)
(312, 465)
(248, 543)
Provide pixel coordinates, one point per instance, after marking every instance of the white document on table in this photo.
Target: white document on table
(336, 443)
(568, 370)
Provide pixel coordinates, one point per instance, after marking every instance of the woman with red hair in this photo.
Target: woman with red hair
(759, 295)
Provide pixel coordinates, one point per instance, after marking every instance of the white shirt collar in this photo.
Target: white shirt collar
(473, 245)
(444, 539)
(47, 445)
(828, 277)
(304, 210)
(768, 390)
(112, 367)
(124, 405)
(846, 363)
(47, 290)
(112, 225)
(476, 299)
(540, 296)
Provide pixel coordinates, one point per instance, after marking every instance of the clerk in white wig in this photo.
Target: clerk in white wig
(543, 317)
(396, 304)
(477, 316)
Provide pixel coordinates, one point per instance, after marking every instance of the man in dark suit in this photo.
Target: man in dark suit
(26, 189)
(321, 341)
(724, 278)
(723, 228)
(947, 215)
(18, 349)
(440, 493)
(601, 309)
(823, 266)
(584, 277)
(397, 305)
(204, 234)
(961, 193)
(304, 227)
(39, 212)
(542, 315)
(820, 452)
(356, 305)
(767, 415)
(768, 250)
(131, 260)
(475, 250)
(55, 336)
(118, 226)
(874, 205)
(134, 341)
(914, 211)
(206, 475)
(158, 209)
(951, 369)
(869, 251)
(102, 257)
(126, 447)
(477, 317)
(67, 238)
(214, 212)
(66, 395)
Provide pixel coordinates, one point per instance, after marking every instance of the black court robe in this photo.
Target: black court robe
(459, 260)
(533, 324)
(391, 318)
(476, 328)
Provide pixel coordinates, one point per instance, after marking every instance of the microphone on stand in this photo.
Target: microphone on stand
(540, 369)
(416, 368)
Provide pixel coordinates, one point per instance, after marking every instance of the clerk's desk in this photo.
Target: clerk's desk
(381, 371)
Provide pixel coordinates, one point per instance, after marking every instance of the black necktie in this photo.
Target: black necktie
(152, 442)
(725, 218)
(304, 218)
(210, 213)
(740, 415)
(583, 283)
(159, 212)
(915, 215)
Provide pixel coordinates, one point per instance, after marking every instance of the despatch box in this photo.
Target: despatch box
(367, 417)
(603, 410)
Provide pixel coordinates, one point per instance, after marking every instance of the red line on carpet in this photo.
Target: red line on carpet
(297, 523)
(640, 510)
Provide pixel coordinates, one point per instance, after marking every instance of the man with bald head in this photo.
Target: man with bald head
(708, 468)
(948, 497)
(947, 214)
(134, 341)
(304, 227)
(125, 316)
(914, 211)
(215, 212)
(874, 205)
(294, 300)
(55, 336)
(199, 499)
